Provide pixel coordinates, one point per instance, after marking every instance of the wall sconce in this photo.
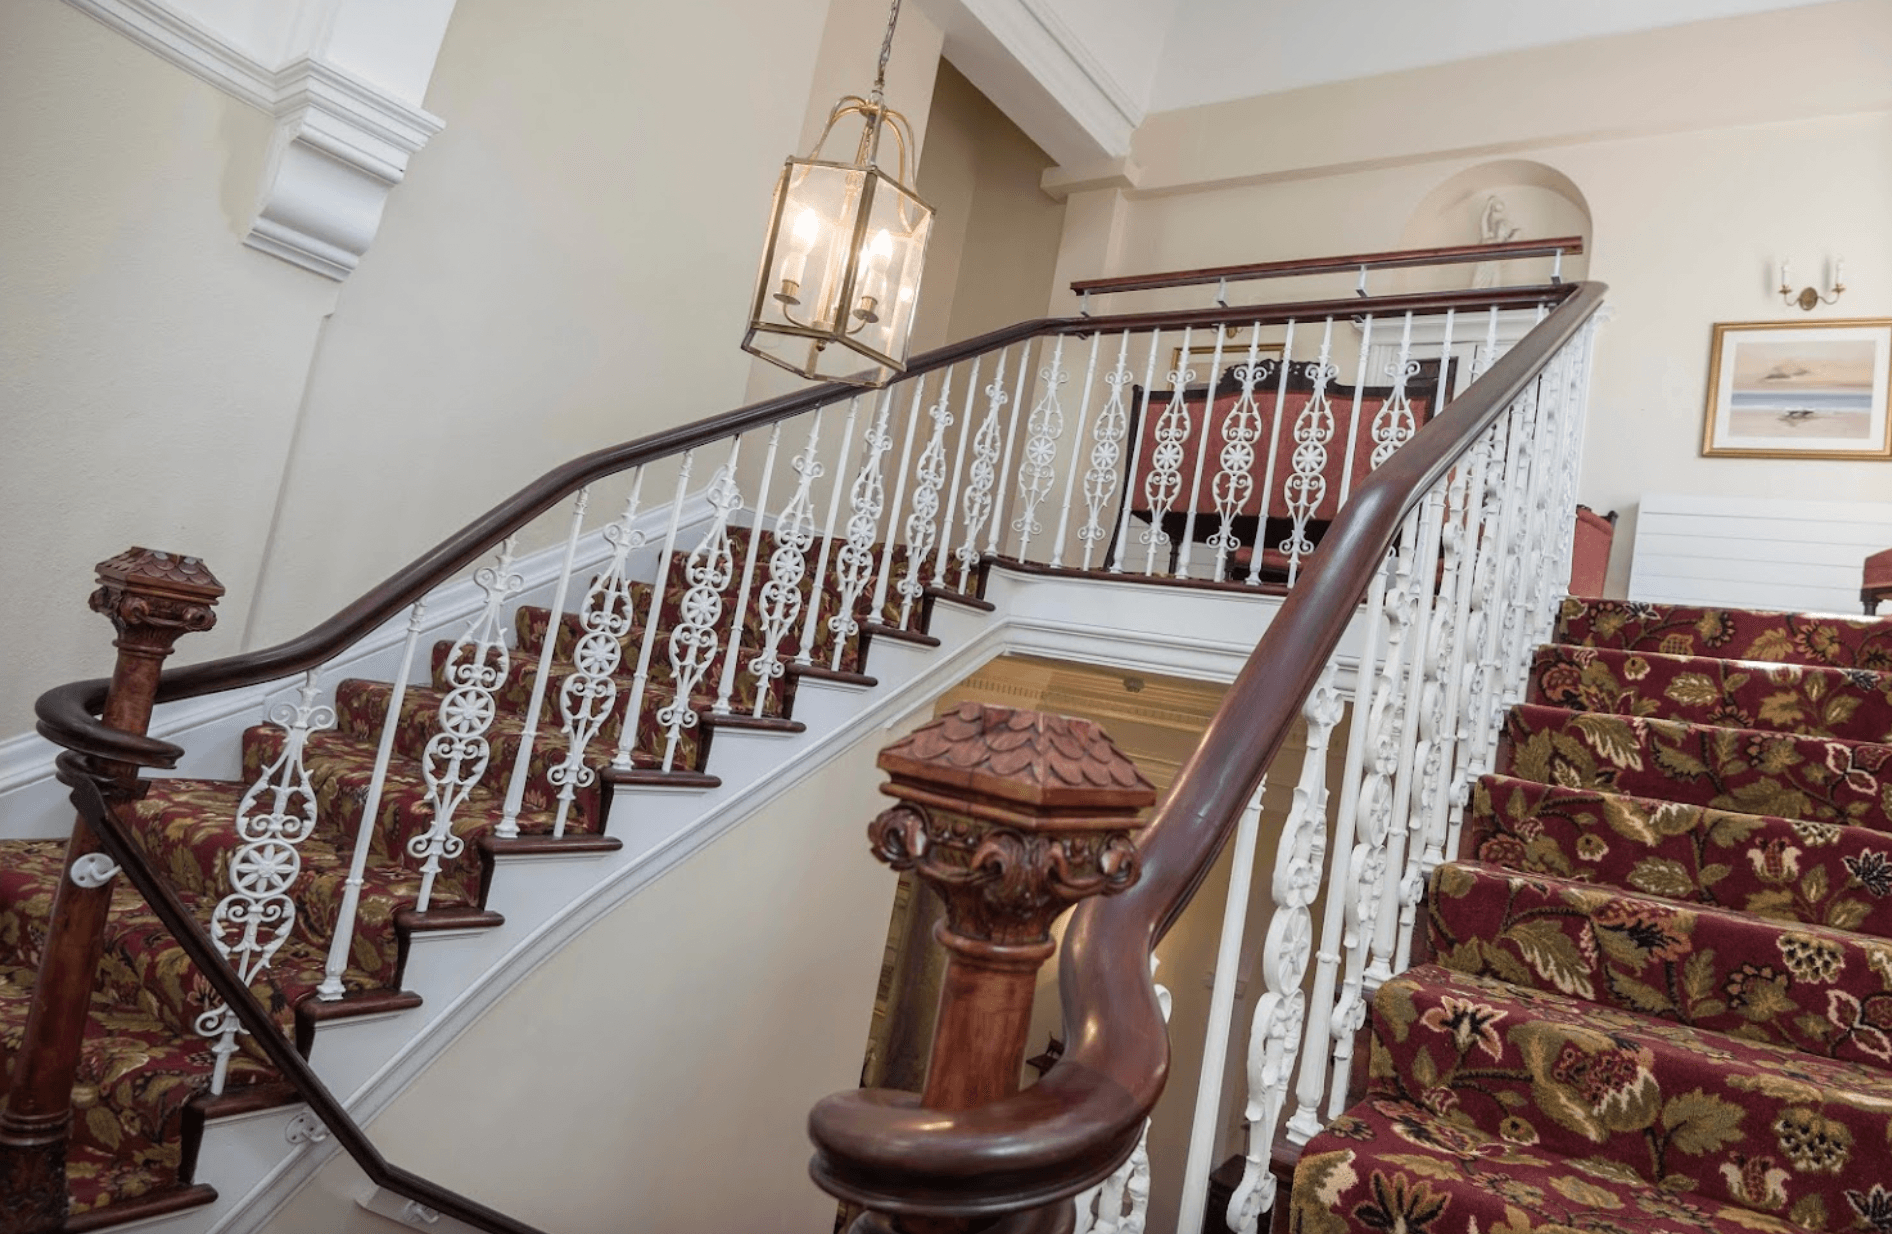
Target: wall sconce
(1807, 297)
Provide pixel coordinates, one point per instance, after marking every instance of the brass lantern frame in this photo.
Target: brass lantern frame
(851, 314)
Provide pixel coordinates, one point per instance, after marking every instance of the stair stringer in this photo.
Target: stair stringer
(1205, 634)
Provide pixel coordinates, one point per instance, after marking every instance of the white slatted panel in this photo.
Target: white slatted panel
(1779, 553)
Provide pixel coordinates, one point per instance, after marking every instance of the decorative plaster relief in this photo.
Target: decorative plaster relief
(341, 142)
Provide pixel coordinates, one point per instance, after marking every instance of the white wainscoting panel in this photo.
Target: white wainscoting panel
(1776, 553)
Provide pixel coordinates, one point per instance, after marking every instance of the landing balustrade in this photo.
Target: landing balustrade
(1405, 452)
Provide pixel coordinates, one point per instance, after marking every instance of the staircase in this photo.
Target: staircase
(452, 775)
(1657, 988)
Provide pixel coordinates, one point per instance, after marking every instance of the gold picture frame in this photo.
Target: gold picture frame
(1800, 389)
(1202, 354)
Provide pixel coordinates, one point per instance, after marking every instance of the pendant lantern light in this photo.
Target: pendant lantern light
(840, 274)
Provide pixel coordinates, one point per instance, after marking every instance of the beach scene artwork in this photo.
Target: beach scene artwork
(1800, 390)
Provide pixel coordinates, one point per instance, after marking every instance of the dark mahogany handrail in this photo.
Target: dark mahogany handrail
(1080, 1121)
(1394, 259)
(68, 714)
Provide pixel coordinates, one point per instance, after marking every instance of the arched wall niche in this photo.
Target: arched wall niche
(1539, 201)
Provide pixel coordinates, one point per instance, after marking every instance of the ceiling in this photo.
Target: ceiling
(1217, 50)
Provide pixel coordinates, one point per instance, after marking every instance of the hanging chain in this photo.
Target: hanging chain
(886, 50)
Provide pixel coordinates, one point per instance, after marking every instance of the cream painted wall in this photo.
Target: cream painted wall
(668, 1056)
(995, 237)
(1688, 213)
(150, 366)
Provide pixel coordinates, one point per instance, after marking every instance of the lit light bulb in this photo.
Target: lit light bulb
(874, 280)
(801, 239)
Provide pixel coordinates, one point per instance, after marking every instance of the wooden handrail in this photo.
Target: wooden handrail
(880, 1150)
(67, 714)
(1392, 259)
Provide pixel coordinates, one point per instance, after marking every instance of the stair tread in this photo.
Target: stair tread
(1386, 1167)
(1747, 770)
(1809, 987)
(1683, 1107)
(1788, 870)
(1850, 704)
(1746, 634)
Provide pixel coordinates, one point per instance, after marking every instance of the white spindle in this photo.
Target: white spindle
(779, 601)
(343, 941)
(1164, 482)
(653, 610)
(1202, 457)
(535, 704)
(1101, 479)
(877, 610)
(1077, 440)
(1121, 1203)
(1044, 433)
(1393, 424)
(1276, 422)
(274, 817)
(952, 488)
(1306, 484)
(695, 639)
(818, 585)
(984, 473)
(1136, 459)
(1274, 1034)
(996, 528)
(726, 688)
(855, 561)
(1235, 475)
(1206, 1123)
(455, 758)
(1353, 420)
(589, 694)
(928, 478)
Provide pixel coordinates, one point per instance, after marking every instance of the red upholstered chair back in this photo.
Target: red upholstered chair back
(1590, 558)
(1278, 428)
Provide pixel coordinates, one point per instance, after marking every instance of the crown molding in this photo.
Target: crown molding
(340, 145)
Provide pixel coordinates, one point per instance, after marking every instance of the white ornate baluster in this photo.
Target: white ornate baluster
(1101, 479)
(1393, 424)
(275, 816)
(535, 705)
(733, 652)
(1206, 1119)
(996, 527)
(944, 545)
(640, 682)
(1164, 483)
(1044, 432)
(1353, 420)
(1070, 475)
(984, 473)
(331, 987)
(818, 585)
(588, 696)
(1235, 478)
(1323, 1025)
(1202, 456)
(878, 609)
(455, 757)
(1274, 1035)
(855, 561)
(1276, 422)
(779, 600)
(928, 478)
(1313, 428)
(695, 640)
(1364, 890)
(1121, 1203)
(1136, 460)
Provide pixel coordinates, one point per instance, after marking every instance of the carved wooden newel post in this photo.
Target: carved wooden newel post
(1012, 816)
(152, 599)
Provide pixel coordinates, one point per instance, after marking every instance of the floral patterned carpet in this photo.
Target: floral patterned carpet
(1658, 988)
(145, 1062)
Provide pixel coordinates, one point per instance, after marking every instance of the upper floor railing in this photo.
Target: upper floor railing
(1272, 448)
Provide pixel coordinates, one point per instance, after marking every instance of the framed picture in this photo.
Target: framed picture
(1235, 345)
(1813, 389)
